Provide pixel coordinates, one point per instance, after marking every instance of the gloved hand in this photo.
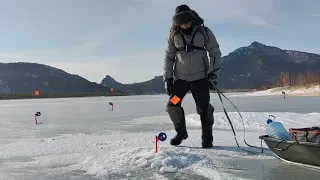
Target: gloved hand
(212, 77)
(168, 85)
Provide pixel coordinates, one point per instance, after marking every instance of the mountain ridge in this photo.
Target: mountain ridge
(254, 65)
(247, 67)
(25, 77)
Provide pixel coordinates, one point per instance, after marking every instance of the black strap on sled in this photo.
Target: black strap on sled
(281, 149)
(189, 47)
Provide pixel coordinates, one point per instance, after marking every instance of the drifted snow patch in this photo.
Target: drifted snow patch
(257, 121)
(166, 160)
(125, 161)
(251, 121)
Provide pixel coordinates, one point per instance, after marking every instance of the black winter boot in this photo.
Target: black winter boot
(206, 136)
(181, 133)
(177, 116)
(177, 139)
(207, 144)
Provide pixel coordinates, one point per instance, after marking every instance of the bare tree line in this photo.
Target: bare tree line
(300, 79)
(294, 79)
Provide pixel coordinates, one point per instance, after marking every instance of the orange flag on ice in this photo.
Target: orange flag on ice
(36, 93)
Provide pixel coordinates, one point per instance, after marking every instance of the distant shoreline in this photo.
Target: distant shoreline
(309, 90)
(17, 96)
(290, 91)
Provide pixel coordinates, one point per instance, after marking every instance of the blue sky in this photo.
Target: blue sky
(126, 38)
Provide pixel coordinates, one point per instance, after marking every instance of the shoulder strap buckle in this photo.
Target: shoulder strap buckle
(188, 48)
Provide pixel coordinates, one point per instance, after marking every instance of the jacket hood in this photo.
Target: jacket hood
(186, 16)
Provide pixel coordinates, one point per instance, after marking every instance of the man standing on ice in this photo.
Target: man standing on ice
(187, 67)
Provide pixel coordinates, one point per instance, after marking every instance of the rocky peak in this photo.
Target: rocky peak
(256, 44)
(109, 81)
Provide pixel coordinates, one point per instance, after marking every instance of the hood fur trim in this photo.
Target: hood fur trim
(196, 19)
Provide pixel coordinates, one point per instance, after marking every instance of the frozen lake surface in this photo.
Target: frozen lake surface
(80, 138)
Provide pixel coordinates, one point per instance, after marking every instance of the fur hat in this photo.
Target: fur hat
(183, 17)
(182, 8)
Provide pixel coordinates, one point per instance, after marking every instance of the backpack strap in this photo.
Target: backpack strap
(190, 47)
(204, 32)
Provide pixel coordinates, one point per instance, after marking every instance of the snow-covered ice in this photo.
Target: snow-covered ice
(81, 139)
